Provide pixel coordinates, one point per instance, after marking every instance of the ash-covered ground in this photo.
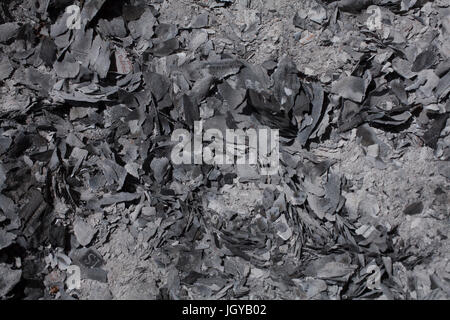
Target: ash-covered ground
(92, 205)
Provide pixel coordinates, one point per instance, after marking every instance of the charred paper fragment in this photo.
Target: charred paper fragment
(32, 212)
(317, 14)
(223, 68)
(233, 96)
(84, 232)
(8, 31)
(201, 21)
(158, 84)
(91, 9)
(159, 167)
(68, 68)
(443, 87)
(413, 208)
(48, 51)
(354, 5)
(287, 83)
(90, 258)
(403, 68)
(283, 229)
(353, 88)
(9, 279)
(165, 48)
(424, 60)
(6, 239)
(164, 31)
(432, 135)
(6, 68)
(113, 28)
(96, 274)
